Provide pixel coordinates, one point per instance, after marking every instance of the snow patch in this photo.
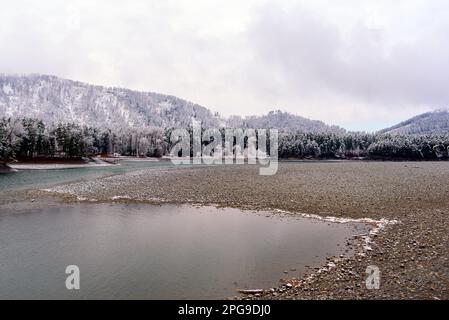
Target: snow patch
(120, 197)
(7, 89)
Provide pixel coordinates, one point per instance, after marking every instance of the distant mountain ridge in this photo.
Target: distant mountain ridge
(54, 100)
(435, 122)
(283, 121)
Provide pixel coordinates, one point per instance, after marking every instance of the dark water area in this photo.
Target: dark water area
(156, 252)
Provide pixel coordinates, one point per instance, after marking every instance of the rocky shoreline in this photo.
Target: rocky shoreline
(412, 255)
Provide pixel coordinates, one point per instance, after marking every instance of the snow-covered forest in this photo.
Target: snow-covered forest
(435, 122)
(31, 138)
(56, 100)
(371, 146)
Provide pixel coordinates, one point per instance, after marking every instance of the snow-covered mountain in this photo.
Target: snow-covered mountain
(54, 100)
(436, 122)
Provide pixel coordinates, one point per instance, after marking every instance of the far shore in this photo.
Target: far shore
(55, 163)
(67, 163)
(20, 166)
(102, 161)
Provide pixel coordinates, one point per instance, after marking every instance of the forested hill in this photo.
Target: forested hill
(55, 100)
(284, 121)
(436, 122)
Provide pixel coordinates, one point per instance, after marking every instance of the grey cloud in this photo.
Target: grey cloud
(312, 53)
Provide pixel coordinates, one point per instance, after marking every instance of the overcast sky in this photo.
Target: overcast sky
(359, 64)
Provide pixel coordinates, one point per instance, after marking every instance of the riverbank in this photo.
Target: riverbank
(4, 168)
(69, 163)
(58, 163)
(411, 255)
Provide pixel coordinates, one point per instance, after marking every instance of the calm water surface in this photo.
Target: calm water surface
(155, 252)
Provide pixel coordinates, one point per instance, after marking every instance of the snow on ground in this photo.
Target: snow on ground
(51, 166)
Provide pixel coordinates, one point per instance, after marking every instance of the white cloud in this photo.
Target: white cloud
(361, 64)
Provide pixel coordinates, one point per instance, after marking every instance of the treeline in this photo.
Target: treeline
(361, 145)
(31, 138)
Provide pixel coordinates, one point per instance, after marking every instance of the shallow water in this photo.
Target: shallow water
(27, 179)
(156, 252)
